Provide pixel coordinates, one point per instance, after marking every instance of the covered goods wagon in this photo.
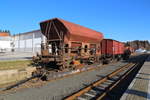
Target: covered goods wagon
(68, 43)
(111, 48)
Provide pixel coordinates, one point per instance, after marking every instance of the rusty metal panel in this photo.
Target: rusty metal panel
(121, 48)
(75, 44)
(83, 33)
(103, 46)
(118, 47)
(92, 45)
(107, 46)
(113, 47)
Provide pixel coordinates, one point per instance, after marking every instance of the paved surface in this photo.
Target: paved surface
(58, 89)
(139, 89)
(16, 56)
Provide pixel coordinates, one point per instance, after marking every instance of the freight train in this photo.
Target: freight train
(111, 49)
(70, 46)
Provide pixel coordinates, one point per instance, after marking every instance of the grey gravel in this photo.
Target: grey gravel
(56, 90)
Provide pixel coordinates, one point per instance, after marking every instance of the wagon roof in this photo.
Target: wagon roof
(80, 31)
(113, 40)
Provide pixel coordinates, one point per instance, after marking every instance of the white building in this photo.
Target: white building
(5, 44)
(27, 42)
(23, 42)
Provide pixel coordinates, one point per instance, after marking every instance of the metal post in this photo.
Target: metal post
(33, 42)
(24, 43)
(19, 42)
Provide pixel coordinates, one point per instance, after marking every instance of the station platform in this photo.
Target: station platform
(139, 89)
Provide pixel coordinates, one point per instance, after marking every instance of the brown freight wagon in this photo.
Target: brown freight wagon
(111, 49)
(68, 44)
(121, 48)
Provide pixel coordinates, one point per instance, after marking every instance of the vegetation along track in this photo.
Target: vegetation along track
(100, 89)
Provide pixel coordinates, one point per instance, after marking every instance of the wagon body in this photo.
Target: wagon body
(66, 40)
(111, 48)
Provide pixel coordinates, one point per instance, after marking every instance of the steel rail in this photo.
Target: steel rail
(116, 83)
(88, 88)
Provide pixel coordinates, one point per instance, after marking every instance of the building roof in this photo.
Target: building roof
(3, 34)
(79, 32)
(25, 33)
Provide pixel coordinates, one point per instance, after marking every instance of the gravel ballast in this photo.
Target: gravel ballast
(58, 89)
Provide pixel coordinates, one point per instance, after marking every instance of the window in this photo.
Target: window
(66, 48)
(85, 48)
(92, 49)
(76, 47)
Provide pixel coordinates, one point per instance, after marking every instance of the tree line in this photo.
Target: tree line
(7, 31)
(139, 44)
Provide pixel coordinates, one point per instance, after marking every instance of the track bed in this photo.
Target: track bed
(59, 89)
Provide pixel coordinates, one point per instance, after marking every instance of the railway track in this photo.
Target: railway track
(38, 78)
(64, 88)
(99, 89)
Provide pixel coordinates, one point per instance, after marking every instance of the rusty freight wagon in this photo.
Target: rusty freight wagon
(68, 45)
(121, 48)
(111, 49)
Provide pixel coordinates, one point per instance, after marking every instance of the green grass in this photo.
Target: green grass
(18, 64)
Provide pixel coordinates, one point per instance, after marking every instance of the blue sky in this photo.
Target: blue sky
(122, 20)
